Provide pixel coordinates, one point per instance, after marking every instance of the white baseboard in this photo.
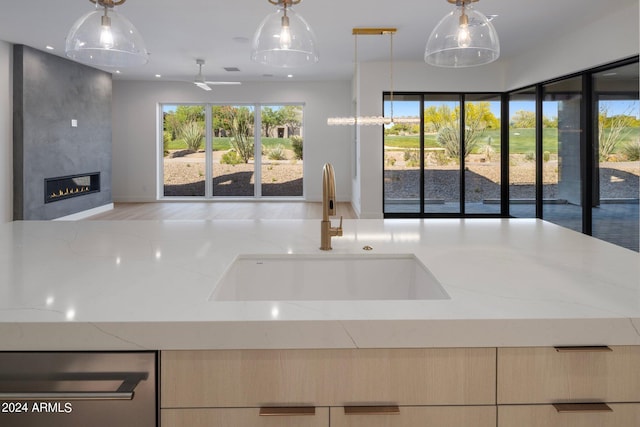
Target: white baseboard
(85, 214)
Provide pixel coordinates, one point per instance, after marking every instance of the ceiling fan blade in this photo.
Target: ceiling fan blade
(202, 85)
(222, 83)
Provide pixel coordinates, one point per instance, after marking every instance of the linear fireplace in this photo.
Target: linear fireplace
(65, 187)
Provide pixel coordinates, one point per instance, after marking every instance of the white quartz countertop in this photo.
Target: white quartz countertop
(146, 285)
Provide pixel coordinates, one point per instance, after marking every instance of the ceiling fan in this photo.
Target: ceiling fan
(203, 84)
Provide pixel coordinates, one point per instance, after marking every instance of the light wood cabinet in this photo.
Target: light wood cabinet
(621, 415)
(239, 417)
(411, 416)
(546, 375)
(480, 387)
(254, 378)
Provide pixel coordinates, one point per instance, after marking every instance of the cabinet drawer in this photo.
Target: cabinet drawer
(544, 375)
(253, 378)
(439, 376)
(622, 415)
(239, 417)
(411, 416)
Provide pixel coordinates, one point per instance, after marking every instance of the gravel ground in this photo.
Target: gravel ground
(184, 176)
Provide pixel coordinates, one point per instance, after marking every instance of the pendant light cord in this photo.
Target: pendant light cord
(391, 72)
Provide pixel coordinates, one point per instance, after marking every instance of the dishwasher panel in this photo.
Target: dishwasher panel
(96, 389)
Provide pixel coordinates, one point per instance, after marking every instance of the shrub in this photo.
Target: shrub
(487, 151)
(546, 156)
(192, 133)
(277, 153)
(631, 150)
(231, 157)
(530, 156)
(166, 139)
(296, 143)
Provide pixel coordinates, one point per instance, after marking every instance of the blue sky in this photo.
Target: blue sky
(412, 108)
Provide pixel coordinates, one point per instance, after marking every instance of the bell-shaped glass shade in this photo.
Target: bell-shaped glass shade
(284, 41)
(112, 42)
(463, 38)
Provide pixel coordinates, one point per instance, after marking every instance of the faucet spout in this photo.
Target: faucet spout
(328, 208)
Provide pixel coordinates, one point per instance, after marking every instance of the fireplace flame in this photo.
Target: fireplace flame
(68, 191)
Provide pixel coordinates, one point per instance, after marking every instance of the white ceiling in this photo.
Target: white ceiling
(179, 31)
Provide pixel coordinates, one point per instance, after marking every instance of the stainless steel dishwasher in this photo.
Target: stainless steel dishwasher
(88, 389)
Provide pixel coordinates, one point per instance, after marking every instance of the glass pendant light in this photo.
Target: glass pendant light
(104, 38)
(463, 38)
(284, 39)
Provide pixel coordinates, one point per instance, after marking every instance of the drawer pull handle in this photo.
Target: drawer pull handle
(280, 411)
(584, 349)
(581, 407)
(372, 410)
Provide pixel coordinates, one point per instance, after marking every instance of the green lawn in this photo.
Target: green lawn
(521, 141)
(221, 144)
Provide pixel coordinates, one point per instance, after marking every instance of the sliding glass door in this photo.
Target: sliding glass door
(183, 155)
(402, 153)
(616, 185)
(231, 150)
(522, 153)
(281, 171)
(562, 153)
(446, 159)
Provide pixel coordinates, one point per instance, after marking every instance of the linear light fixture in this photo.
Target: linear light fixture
(372, 120)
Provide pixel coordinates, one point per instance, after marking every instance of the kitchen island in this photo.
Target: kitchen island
(134, 285)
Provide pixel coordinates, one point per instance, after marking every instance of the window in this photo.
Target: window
(432, 167)
(522, 153)
(562, 139)
(183, 137)
(569, 153)
(616, 148)
(232, 151)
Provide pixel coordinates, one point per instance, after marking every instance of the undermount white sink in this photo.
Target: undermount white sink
(330, 277)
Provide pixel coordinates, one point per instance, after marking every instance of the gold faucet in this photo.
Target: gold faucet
(328, 208)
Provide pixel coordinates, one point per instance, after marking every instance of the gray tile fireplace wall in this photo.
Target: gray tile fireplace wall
(49, 93)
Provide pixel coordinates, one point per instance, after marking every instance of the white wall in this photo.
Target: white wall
(6, 132)
(135, 125)
(607, 39)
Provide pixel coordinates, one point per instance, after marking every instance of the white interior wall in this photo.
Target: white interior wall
(6, 132)
(135, 125)
(607, 39)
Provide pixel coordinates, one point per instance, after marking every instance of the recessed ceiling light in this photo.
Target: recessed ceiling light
(290, 76)
(267, 75)
(158, 75)
(231, 69)
(241, 39)
(49, 47)
(117, 71)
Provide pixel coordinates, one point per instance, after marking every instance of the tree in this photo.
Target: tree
(291, 117)
(238, 121)
(523, 119)
(270, 118)
(175, 120)
(445, 121)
